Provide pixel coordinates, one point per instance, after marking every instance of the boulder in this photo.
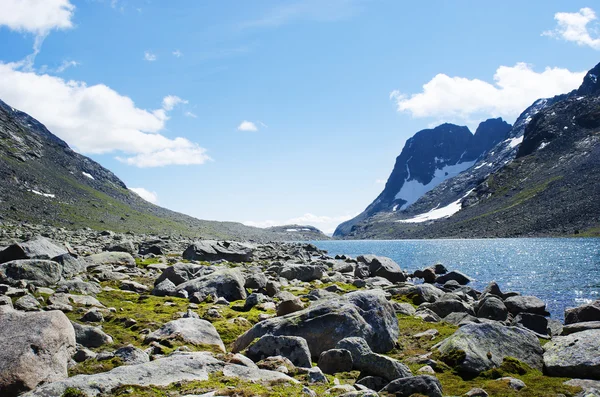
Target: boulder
(226, 283)
(533, 322)
(424, 385)
(131, 355)
(372, 382)
(492, 308)
(588, 312)
(574, 355)
(454, 275)
(526, 304)
(475, 348)
(36, 248)
(111, 258)
(369, 363)
(189, 330)
(181, 272)
(444, 307)
(578, 327)
(420, 293)
(292, 347)
(89, 336)
(165, 288)
(367, 314)
(302, 272)
(290, 305)
(27, 303)
(335, 360)
(70, 265)
(42, 273)
(210, 251)
(381, 266)
(122, 246)
(162, 372)
(34, 348)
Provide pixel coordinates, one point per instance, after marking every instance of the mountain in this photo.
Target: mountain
(45, 182)
(542, 180)
(300, 232)
(428, 158)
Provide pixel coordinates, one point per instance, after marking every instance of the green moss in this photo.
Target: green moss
(454, 358)
(145, 262)
(73, 392)
(510, 367)
(93, 366)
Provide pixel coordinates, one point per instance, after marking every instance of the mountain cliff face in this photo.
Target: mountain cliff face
(46, 182)
(428, 158)
(542, 180)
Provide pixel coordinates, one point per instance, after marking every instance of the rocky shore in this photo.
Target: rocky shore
(87, 313)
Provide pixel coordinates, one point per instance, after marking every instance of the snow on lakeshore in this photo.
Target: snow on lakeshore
(437, 213)
(42, 194)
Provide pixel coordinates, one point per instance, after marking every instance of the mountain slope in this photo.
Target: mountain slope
(427, 159)
(545, 186)
(45, 181)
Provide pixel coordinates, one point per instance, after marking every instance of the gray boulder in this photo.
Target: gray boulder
(369, 363)
(492, 308)
(111, 258)
(589, 312)
(360, 313)
(526, 304)
(292, 347)
(425, 385)
(209, 250)
(578, 327)
(131, 355)
(27, 303)
(302, 272)
(181, 272)
(574, 355)
(34, 348)
(335, 360)
(381, 266)
(189, 330)
(89, 336)
(226, 283)
(165, 288)
(42, 273)
(162, 372)
(122, 246)
(454, 275)
(420, 293)
(444, 307)
(70, 265)
(533, 322)
(36, 248)
(475, 348)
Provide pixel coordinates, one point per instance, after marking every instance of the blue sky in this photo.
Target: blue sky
(267, 112)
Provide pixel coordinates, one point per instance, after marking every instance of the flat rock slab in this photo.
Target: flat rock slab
(162, 372)
(209, 250)
(189, 330)
(576, 355)
(36, 248)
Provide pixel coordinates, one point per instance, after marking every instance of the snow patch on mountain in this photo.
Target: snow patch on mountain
(438, 213)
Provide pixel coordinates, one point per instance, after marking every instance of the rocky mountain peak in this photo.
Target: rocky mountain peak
(591, 82)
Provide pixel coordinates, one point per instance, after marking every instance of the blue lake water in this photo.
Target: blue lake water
(562, 272)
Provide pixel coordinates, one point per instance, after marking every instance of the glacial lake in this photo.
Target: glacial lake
(562, 272)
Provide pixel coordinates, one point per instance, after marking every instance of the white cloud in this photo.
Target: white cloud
(149, 56)
(65, 65)
(177, 54)
(247, 126)
(147, 195)
(96, 119)
(462, 99)
(326, 224)
(36, 16)
(170, 101)
(573, 26)
(190, 114)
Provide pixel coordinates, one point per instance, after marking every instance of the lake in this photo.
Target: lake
(562, 272)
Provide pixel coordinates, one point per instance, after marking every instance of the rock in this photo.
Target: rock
(6, 301)
(526, 304)
(122, 246)
(302, 272)
(428, 316)
(36, 248)
(532, 322)
(574, 355)
(578, 327)
(111, 258)
(89, 336)
(133, 286)
(429, 334)
(422, 384)
(288, 306)
(27, 303)
(475, 348)
(292, 347)
(426, 370)
(210, 251)
(308, 392)
(162, 372)
(335, 360)
(226, 283)
(256, 281)
(189, 330)
(381, 266)
(555, 327)
(71, 265)
(372, 382)
(82, 354)
(492, 288)
(34, 348)
(255, 299)
(404, 308)
(181, 272)
(476, 392)
(584, 313)
(492, 308)
(165, 288)
(420, 293)
(131, 355)
(438, 268)
(277, 363)
(513, 383)
(77, 285)
(370, 363)
(444, 307)
(454, 275)
(315, 375)
(324, 324)
(41, 273)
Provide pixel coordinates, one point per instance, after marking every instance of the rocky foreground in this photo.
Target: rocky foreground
(101, 314)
